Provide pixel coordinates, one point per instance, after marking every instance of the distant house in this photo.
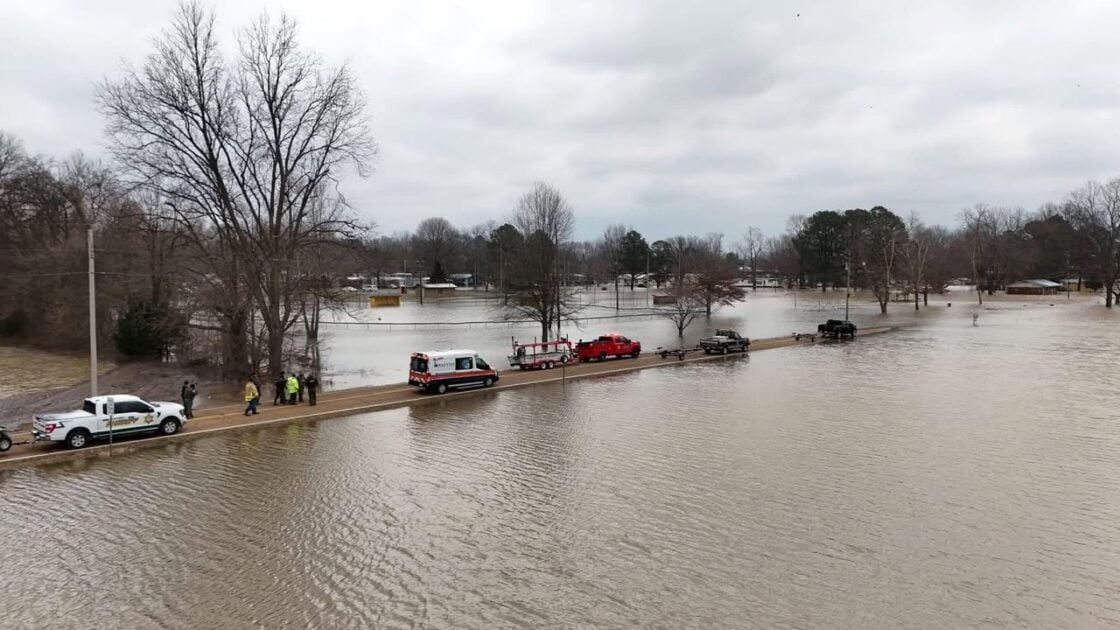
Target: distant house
(1033, 287)
(664, 298)
(439, 289)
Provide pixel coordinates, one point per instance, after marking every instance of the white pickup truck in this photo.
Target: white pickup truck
(101, 415)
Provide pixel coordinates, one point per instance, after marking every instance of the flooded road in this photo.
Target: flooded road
(941, 476)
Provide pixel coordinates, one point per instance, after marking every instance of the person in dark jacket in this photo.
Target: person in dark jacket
(302, 380)
(187, 395)
(280, 384)
(312, 386)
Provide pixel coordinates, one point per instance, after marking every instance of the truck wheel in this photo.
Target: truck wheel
(707, 350)
(78, 438)
(602, 356)
(723, 350)
(487, 382)
(441, 388)
(170, 426)
(634, 354)
(5, 443)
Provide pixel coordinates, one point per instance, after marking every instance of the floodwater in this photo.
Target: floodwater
(942, 476)
(371, 345)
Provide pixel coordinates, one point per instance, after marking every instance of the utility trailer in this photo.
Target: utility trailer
(540, 355)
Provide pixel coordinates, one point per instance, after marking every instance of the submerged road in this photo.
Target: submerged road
(348, 402)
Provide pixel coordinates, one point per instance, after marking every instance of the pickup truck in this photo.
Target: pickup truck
(724, 341)
(608, 345)
(837, 328)
(101, 415)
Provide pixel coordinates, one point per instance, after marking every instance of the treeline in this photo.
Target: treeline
(220, 233)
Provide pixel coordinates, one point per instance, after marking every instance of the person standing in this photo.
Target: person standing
(184, 396)
(252, 395)
(302, 380)
(280, 384)
(188, 400)
(312, 386)
(293, 389)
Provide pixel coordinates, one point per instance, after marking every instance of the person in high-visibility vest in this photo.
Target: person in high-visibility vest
(293, 389)
(251, 397)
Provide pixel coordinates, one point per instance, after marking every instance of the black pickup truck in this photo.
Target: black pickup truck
(724, 341)
(837, 328)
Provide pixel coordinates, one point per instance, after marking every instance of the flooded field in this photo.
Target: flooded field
(943, 476)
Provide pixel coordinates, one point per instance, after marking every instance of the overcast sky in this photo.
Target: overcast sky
(675, 117)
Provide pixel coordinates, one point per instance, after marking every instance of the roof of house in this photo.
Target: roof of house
(439, 285)
(1033, 284)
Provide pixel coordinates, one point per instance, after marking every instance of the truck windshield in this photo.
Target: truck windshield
(419, 364)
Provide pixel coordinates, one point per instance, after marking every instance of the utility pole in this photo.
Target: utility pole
(92, 317)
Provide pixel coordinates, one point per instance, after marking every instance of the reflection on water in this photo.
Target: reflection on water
(942, 476)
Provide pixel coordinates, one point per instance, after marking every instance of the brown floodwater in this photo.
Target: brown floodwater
(942, 476)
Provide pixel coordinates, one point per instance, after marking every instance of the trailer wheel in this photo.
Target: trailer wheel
(78, 438)
(5, 443)
(549, 365)
(563, 358)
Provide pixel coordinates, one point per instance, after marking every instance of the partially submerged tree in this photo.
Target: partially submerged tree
(686, 307)
(751, 249)
(713, 276)
(611, 249)
(546, 223)
(877, 236)
(1094, 209)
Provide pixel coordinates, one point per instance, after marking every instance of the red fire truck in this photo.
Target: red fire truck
(608, 345)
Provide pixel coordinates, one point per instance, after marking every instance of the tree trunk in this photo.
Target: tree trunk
(925, 297)
(916, 298)
(236, 326)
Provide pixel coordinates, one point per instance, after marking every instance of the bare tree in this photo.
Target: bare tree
(750, 249)
(434, 241)
(1094, 210)
(916, 253)
(713, 280)
(610, 246)
(686, 307)
(241, 151)
(546, 223)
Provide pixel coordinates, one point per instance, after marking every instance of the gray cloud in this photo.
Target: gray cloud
(675, 117)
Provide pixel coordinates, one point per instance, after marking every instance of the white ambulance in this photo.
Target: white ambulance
(442, 370)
